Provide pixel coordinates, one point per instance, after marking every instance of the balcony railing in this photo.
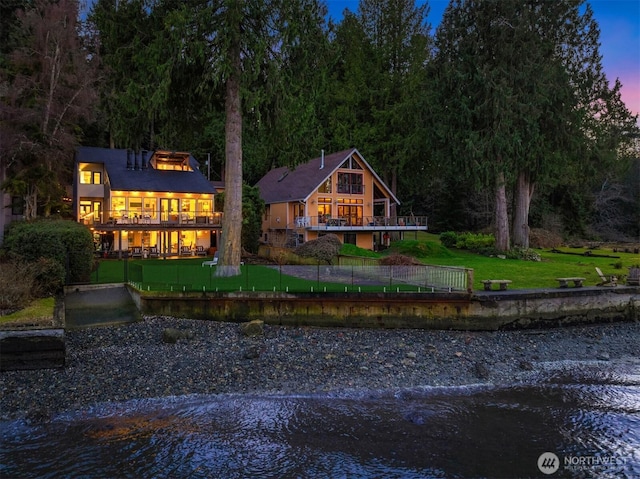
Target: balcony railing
(409, 222)
(159, 218)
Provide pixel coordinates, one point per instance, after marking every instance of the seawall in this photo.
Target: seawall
(492, 310)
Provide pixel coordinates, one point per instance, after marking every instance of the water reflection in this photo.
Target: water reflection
(454, 432)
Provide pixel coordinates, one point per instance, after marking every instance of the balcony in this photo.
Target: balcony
(366, 223)
(145, 220)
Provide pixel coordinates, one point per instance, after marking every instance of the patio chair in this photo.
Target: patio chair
(200, 251)
(212, 262)
(606, 281)
(185, 250)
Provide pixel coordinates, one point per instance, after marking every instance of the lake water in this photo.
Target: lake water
(586, 415)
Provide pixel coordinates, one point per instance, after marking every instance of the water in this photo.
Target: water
(588, 417)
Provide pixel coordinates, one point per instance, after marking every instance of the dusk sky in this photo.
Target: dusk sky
(619, 22)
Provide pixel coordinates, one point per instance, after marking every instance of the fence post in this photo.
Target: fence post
(469, 281)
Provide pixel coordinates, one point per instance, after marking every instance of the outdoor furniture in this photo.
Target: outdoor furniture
(213, 262)
(564, 282)
(634, 277)
(503, 283)
(606, 280)
(153, 252)
(185, 251)
(200, 251)
(136, 252)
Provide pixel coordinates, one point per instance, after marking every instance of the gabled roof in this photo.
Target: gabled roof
(282, 185)
(122, 178)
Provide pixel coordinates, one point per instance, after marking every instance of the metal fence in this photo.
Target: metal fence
(193, 276)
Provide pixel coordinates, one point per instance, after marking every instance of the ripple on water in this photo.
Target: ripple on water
(417, 432)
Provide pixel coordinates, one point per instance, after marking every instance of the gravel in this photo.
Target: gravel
(119, 363)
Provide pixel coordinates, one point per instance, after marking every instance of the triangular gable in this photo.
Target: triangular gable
(282, 185)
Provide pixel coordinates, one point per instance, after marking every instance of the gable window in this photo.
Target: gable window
(350, 183)
(325, 187)
(350, 164)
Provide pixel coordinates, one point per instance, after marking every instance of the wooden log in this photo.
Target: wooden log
(32, 349)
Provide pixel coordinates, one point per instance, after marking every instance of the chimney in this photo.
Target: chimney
(144, 159)
(321, 159)
(136, 156)
(129, 160)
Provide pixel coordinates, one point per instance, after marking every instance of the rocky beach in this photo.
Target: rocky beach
(143, 360)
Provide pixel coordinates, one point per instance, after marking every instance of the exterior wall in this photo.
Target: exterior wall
(117, 209)
(283, 216)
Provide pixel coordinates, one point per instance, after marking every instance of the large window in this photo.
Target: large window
(350, 183)
(324, 209)
(150, 207)
(118, 206)
(90, 177)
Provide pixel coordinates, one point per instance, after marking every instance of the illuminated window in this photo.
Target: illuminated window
(325, 187)
(90, 178)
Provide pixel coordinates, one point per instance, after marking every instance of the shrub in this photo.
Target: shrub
(398, 260)
(68, 243)
(524, 254)
(324, 249)
(475, 241)
(15, 294)
(449, 239)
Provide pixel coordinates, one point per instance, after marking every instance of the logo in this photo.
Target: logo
(548, 463)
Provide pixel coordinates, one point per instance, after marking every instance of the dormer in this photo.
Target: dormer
(170, 160)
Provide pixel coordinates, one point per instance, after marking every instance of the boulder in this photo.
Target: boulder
(172, 335)
(252, 328)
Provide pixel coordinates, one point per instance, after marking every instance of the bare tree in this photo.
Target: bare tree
(48, 89)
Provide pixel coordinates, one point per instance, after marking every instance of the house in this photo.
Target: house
(338, 193)
(148, 203)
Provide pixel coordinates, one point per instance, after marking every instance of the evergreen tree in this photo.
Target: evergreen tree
(516, 83)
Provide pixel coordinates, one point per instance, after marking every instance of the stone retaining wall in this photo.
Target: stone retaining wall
(479, 311)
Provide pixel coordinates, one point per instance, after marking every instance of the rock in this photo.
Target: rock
(481, 371)
(604, 356)
(252, 328)
(172, 335)
(252, 352)
(411, 355)
(526, 365)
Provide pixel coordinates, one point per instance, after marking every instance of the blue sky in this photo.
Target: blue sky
(619, 22)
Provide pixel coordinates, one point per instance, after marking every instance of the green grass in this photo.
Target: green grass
(187, 273)
(531, 274)
(39, 309)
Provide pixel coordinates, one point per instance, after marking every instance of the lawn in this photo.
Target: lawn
(188, 274)
(531, 274)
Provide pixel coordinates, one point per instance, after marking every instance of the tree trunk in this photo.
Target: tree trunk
(230, 245)
(501, 216)
(524, 193)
